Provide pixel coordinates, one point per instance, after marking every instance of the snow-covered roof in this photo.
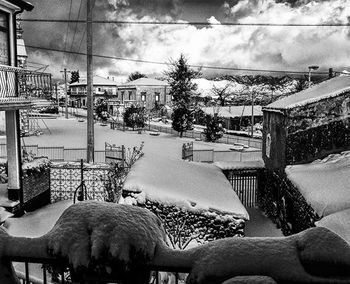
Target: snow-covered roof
(324, 183)
(338, 223)
(21, 48)
(144, 82)
(233, 111)
(195, 186)
(327, 89)
(97, 81)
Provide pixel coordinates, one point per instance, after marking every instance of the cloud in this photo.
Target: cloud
(290, 48)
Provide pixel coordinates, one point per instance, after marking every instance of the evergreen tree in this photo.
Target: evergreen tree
(101, 110)
(214, 129)
(182, 91)
(74, 77)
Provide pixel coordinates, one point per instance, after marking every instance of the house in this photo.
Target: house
(146, 92)
(102, 88)
(11, 100)
(235, 116)
(308, 125)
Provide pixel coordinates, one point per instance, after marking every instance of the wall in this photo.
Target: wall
(317, 130)
(274, 135)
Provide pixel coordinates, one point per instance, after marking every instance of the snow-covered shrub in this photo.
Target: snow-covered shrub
(133, 154)
(185, 227)
(33, 166)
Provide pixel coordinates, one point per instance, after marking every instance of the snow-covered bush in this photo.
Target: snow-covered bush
(185, 227)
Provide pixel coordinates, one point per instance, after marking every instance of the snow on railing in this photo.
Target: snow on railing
(122, 242)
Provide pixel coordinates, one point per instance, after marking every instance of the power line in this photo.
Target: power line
(193, 66)
(75, 28)
(119, 22)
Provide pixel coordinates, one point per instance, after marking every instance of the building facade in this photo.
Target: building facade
(10, 100)
(145, 92)
(308, 125)
(103, 89)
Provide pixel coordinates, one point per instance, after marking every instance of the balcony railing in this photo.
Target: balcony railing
(23, 84)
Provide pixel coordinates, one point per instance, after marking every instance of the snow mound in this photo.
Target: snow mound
(194, 186)
(338, 223)
(324, 183)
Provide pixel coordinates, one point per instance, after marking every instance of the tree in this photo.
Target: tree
(222, 93)
(182, 90)
(135, 117)
(214, 129)
(101, 110)
(74, 77)
(136, 75)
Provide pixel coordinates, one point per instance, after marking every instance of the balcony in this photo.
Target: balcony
(20, 88)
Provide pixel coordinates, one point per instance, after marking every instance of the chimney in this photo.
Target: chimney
(330, 73)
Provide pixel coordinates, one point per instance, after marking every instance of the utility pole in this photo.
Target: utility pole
(89, 87)
(252, 130)
(58, 103)
(65, 90)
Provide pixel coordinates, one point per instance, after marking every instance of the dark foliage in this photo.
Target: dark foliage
(101, 110)
(74, 77)
(214, 128)
(136, 75)
(135, 116)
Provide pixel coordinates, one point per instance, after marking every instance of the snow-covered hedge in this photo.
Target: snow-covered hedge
(190, 227)
(284, 204)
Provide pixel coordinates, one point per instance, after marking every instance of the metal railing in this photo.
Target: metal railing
(17, 82)
(57, 271)
(62, 154)
(226, 139)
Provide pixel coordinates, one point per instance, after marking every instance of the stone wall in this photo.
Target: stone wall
(284, 204)
(318, 129)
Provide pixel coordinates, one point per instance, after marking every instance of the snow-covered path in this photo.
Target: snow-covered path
(204, 185)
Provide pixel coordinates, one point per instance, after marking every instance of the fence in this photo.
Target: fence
(65, 178)
(62, 154)
(211, 155)
(187, 151)
(245, 182)
(227, 139)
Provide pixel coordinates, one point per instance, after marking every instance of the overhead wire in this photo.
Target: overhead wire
(67, 31)
(121, 22)
(191, 65)
(75, 28)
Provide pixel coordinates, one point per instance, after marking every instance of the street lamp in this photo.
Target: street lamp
(312, 67)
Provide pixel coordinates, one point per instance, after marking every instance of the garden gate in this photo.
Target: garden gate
(114, 154)
(187, 151)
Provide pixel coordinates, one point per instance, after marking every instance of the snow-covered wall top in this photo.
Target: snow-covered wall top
(327, 89)
(194, 186)
(324, 183)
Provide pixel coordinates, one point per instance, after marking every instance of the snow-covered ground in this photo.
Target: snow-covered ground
(161, 169)
(324, 183)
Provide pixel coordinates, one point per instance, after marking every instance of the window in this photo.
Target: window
(143, 97)
(4, 39)
(157, 97)
(130, 95)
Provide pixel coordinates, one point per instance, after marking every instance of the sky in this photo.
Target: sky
(257, 47)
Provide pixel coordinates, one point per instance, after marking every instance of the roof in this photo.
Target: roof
(22, 4)
(97, 81)
(233, 111)
(21, 48)
(324, 183)
(327, 89)
(145, 82)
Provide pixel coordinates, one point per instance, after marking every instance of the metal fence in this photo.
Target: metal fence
(211, 155)
(227, 139)
(66, 177)
(245, 183)
(62, 154)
